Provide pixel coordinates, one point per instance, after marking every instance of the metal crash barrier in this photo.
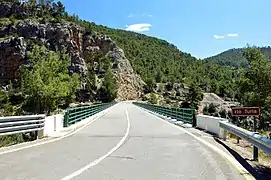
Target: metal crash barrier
(252, 137)
(77, 114)
(22, 124)
(180, 114)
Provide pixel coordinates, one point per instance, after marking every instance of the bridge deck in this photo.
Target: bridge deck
(153, 149)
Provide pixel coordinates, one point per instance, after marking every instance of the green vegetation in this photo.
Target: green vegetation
(237, 74)
(15, 139)
(235, 58)
(153, 99)
(108, 92)
(255, 85)
(194, 96)
(155, 60)
(47, 84)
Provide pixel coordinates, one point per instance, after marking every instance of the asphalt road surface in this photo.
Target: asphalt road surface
(125, 144)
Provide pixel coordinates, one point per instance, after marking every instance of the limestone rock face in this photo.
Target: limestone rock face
(130, 85)
(78, 42)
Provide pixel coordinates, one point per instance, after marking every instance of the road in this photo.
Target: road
(125, 144)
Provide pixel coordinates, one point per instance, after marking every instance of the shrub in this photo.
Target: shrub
(153, 99)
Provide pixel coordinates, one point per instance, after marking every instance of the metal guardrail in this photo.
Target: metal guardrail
(180, 114)
(21, 124)
(252, 137)
(77, 114)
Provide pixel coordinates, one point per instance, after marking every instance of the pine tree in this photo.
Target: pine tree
(153, 99)
(194, 96)
(110, 85)
(47, 84)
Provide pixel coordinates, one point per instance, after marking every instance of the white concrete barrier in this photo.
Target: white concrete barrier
(210, 124)
(53, 124)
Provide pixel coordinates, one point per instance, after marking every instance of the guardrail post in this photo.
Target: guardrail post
(223, 134)
(66, 118)
(255, 153)
(40, 134)
(194, 118)
(255, 149)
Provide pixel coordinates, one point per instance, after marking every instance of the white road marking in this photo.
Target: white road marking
(97, 161)
(59, 138)
(234, 162)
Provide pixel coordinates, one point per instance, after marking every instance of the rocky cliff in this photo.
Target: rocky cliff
(15, 38)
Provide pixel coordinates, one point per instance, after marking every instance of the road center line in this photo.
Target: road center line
(97, 161)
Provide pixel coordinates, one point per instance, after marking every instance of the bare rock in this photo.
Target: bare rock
(130, 85)
(12, 54)
(79, 45)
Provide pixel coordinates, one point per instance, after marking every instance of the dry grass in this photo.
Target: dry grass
(245, 149)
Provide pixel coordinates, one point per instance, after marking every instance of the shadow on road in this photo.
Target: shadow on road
(258, 171)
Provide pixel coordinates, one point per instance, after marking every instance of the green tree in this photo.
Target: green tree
(255, 85)
(194, 96)
(32, 2)
(153, 99)
(108, 92)
(106, 62)
(91, 81)
(149, 84)
(47, 84)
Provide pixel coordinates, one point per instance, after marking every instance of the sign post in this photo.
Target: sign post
(249, 111)
(255, 149)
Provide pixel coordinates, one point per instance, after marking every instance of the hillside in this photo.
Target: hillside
(109, 63)
(150, 57)
(235, 58)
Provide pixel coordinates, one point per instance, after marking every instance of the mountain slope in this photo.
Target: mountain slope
(96, 50)
(234, 57)
(150, 57)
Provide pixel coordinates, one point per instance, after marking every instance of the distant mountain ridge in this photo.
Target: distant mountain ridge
(234, 57)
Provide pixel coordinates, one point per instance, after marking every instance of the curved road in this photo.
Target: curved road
(125, 144)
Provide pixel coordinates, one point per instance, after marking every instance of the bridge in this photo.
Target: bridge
(125, 142)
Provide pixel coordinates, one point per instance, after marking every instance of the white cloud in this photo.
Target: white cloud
(233, 35)
(225, 36)
(219, 36)
(138, 27)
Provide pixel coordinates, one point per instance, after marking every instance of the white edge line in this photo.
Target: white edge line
(240, 168)
(62, 137)
(97, 161)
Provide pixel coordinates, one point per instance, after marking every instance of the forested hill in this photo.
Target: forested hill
(93, 53)
(234, 57)
(156, 61)
(150, 57)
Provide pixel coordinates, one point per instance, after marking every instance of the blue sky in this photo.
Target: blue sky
(200, 27)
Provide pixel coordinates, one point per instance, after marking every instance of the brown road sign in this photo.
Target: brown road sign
(246, 111)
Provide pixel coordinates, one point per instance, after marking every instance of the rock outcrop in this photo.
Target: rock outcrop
(129, 83)
(17, 10)
(12, 55)
(79, 43)
(218, 102)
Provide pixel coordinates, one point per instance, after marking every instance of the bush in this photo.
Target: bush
(3, 98)
(167, 100)
(223, 113)
(211, 108)
(153, 99)
(12, 19)
(9, 140)
(47, 83)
